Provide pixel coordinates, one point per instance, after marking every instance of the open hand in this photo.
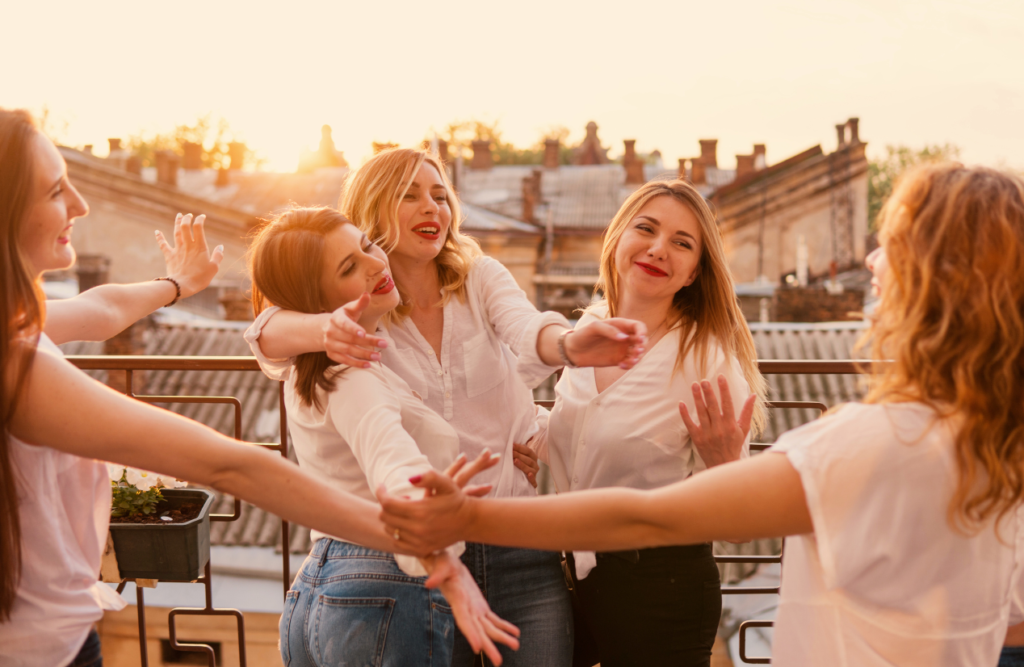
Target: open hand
(525, 459)
(189, 261)
(424, 526)
(719, 436)
(479, 625)
(612, 342)
(346, 342)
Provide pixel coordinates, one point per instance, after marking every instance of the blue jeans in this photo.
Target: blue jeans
(1012, 656)
(350, 605)
(527, 588)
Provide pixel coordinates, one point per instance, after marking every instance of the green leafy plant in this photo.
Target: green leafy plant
(136, 492)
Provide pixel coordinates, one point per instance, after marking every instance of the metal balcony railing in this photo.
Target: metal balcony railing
(130, 364)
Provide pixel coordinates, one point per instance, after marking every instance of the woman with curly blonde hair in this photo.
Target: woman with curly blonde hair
(904, 511)
(468, 341)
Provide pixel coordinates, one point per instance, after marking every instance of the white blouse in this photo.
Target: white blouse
(489, 364)
(64, 509)
(372, 429)
(884, 579)
(630, 434)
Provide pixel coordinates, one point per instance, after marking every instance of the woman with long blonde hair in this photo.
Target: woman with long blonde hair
(662, 264)
(467, 340)
(906, 508)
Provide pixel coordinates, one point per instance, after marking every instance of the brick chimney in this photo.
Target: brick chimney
(193, 158)
(237, 306)
(709, 152)
(530, 199)
(115, 145)
(223, 178)
(167, 168)
(236, 151)
(682, 169)
(744, 165)
(854, 125)
(552, 153)
(482, 158)
(760, 157)
(87, 149)
(633, 165)
(630, 153)
(698, 173)
(840, 135)
(442, 150)
(133, 165)
(92, 270)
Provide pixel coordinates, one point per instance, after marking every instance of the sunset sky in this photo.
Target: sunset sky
(664, 73)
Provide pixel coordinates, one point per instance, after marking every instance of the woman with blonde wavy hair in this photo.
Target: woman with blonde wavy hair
(904, 511)
(468, 341)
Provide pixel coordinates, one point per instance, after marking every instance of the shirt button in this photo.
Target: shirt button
(575, 480)
(447, 394)
(440, 372)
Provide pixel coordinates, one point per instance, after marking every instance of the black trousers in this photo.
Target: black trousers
(649, 607)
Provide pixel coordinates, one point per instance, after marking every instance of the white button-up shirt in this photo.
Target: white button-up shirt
(489, 364)
(630, 434)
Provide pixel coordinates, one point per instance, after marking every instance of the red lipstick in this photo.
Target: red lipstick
(384, 286)
(651, 270)
(428, 230)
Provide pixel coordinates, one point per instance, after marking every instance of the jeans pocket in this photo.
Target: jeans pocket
(351, 630)
(291, 600)
(712, 612)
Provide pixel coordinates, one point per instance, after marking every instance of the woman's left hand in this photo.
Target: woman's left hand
(189, 260)
(719, 436)
(612, 342)
(479, 625)
(525, 459)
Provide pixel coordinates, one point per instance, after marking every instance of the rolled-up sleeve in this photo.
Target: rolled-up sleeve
(275, 369)
(517, 322)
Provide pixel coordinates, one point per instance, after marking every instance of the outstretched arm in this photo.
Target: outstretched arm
(288, 334)
(106, 310)
(62, 408)
(749, 499)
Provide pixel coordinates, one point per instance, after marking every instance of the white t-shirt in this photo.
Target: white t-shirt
(489, 364)
(631, 434)
(884, 579)
(371, 430)
(64, 508)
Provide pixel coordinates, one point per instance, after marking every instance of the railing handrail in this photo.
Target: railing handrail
(160, 362)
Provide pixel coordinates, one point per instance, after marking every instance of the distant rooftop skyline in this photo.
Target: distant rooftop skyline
(663, 73)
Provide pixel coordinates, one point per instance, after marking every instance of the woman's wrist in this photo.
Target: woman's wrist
(563, 352)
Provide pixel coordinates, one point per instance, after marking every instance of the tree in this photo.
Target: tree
(210, 133)
(885, 172)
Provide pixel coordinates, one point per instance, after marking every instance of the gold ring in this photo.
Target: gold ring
(396, 535)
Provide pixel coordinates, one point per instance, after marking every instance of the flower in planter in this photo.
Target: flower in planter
(136, 492)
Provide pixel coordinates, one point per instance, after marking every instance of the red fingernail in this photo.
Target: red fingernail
(415, 479)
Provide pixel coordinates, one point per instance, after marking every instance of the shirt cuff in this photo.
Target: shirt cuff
(275, 369)
(532, 370)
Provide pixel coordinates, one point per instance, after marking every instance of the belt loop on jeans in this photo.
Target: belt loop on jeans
(327, 548)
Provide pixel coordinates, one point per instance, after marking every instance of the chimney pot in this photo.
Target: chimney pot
(552, 153)
(760, 157)
(529, 199)
(709, 152)
(92, 270)
(840, 135)
(115, 145)
(482, 158)
(630, 153)
(133, 165)
(744, 165)
(236, 151)
(167, 168)
(193, 158)
(682, 169)
(698, 172)
(854, 125)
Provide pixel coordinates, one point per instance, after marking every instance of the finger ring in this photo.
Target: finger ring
(396, 535)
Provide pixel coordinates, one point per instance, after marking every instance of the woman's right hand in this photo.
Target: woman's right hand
(346, 342)
(424, 526)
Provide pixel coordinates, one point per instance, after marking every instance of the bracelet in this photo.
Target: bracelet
(176, 287)
(561, 349)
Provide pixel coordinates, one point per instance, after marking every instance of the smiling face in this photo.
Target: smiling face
(351, 266)
(878, 264)
(424, 217)
(659, 251)
(46, 231)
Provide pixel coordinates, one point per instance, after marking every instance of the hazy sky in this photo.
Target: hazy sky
(664, 73)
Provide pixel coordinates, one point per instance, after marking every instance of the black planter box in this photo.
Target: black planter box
(166, 551)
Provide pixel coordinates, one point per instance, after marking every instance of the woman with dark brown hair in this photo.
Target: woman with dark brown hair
(55, 422)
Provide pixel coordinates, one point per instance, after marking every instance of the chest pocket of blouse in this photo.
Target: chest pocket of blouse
(484, 363)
